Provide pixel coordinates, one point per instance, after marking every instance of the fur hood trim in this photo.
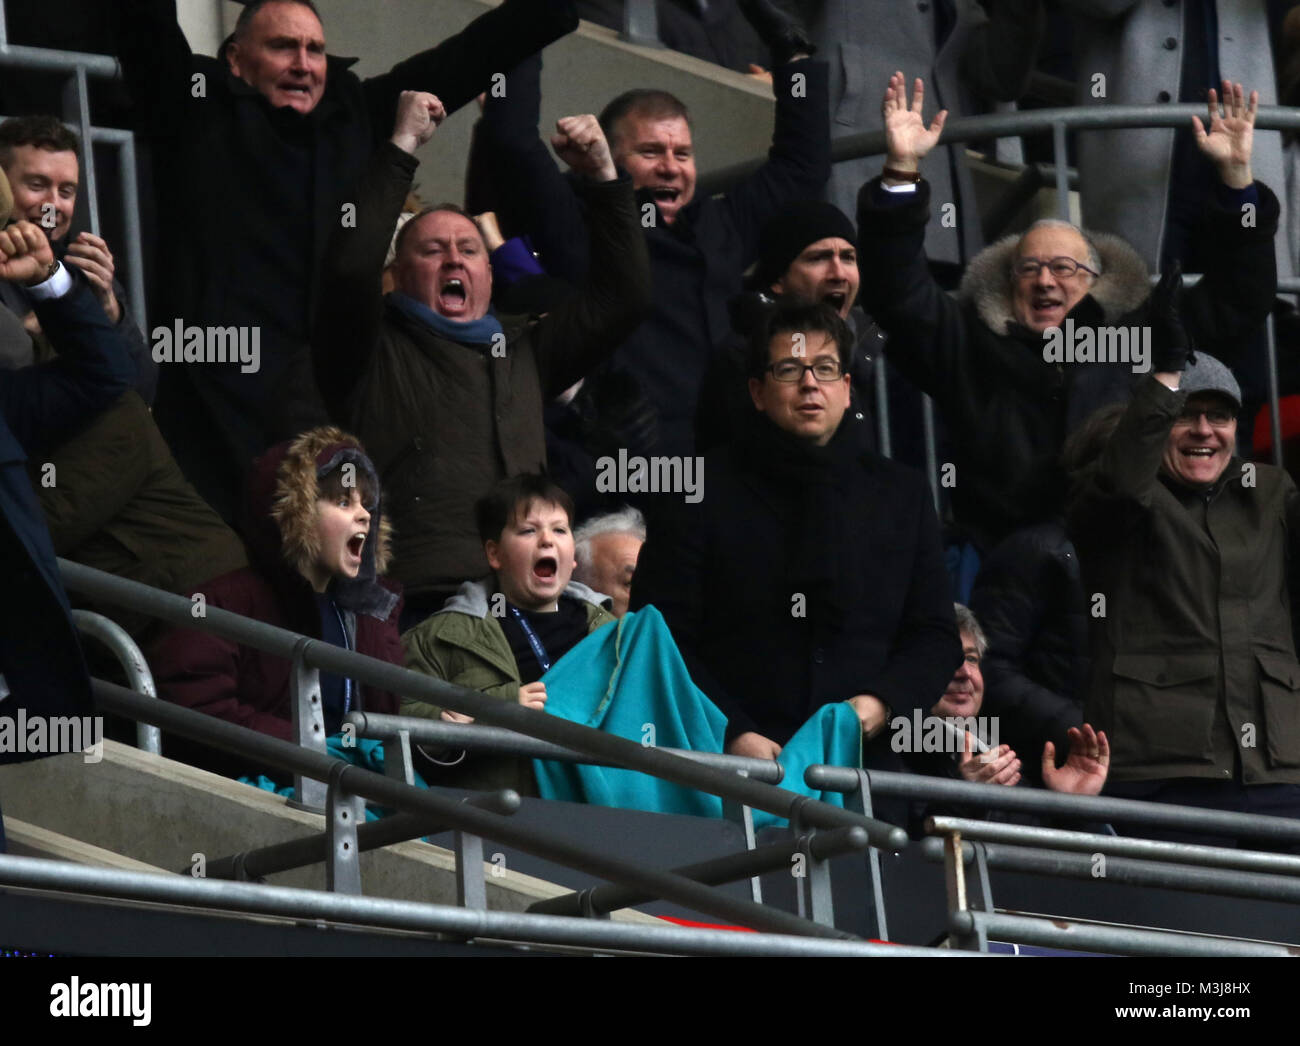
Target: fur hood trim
(1124, 284)
(280, 517)
(297, 490)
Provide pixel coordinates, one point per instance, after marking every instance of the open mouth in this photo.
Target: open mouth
(836, 299)
(1044, 303)
(452, 296)
(545, 568)
(356, 543)
(666, 194)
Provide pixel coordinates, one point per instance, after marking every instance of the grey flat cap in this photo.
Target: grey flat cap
(1209, 375)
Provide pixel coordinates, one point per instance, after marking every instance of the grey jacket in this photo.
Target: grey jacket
(865, 41)
(1137, 47)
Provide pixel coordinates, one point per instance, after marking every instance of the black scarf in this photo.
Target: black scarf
(815, 483)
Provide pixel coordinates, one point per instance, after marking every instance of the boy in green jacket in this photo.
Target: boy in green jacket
(500, 635)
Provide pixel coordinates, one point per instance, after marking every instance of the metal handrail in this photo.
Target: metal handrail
(389, 913)
(1025, 122)
(1258, 886)
(366, 784)
(1114, 845)
(128, 654)
(1098, 809)
(108, 588)
(497, 741)
(1059, 933)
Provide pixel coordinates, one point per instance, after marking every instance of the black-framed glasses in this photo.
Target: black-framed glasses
(1219, 417)
(790, 371)
(1062, 268)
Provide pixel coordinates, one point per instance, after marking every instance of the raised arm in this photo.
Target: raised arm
(44, 403)
(927, 332)
(536, 198)
(157, 63)
(1236, 295)
(463, 66)
(346, 328)
(799, 161)
(615, 296)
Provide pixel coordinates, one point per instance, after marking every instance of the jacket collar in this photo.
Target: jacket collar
(472, 598)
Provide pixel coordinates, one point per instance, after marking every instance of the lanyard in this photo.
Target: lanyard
(347, 645)
(539, 651)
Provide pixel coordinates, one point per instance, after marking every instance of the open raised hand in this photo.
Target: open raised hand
(1228, 142)
(907, 138)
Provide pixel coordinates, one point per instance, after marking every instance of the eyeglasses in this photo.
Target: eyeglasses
(1219, 417)
(791, 371)
(1062, 268)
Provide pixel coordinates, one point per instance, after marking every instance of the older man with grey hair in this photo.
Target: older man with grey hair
(1048, 326)
(607, 547)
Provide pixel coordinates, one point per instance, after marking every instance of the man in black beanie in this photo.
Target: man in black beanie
(807, 252)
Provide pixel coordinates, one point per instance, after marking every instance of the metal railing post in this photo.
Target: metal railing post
(1274, 406)
(1059, 158)
(345, 812)
(76, 110)
(397, 758)
(861, 800)
(813, 879)
(308, 726)
(471, 888)
(743, 815)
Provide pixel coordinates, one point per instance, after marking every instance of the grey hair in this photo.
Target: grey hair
(626, 520)
(966, 622)
(1094, 258)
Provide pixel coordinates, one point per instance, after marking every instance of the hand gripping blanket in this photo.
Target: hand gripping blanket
(629, 680)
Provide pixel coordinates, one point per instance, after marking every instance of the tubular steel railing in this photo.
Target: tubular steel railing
(309, 763)
(1073, 854)
(460, 923)
(115, 637)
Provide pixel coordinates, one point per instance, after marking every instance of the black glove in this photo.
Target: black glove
(1171, 346)
(783, 35)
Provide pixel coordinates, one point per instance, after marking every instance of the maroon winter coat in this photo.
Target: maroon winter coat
(249, 687)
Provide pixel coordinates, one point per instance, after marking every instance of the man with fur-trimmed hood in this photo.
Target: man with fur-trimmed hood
(989, 357)
(318, 545)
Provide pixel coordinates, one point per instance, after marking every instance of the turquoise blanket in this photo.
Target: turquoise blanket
(629, 680)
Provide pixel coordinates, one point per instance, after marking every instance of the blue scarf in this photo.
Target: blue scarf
(473, 332)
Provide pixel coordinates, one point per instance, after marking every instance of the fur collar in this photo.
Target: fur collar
(1123, 285)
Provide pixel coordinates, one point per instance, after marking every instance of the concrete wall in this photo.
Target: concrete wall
(732, 113)
(162, 813)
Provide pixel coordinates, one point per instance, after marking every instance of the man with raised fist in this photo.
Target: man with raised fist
(254, 154)
(446, 394)
(39, 155)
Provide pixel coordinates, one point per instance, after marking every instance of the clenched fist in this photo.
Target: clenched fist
(25, 253)
(581, 144)
(418, 116)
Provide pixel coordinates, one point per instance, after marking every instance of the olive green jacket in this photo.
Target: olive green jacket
(1193, 653)
(463, 643)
